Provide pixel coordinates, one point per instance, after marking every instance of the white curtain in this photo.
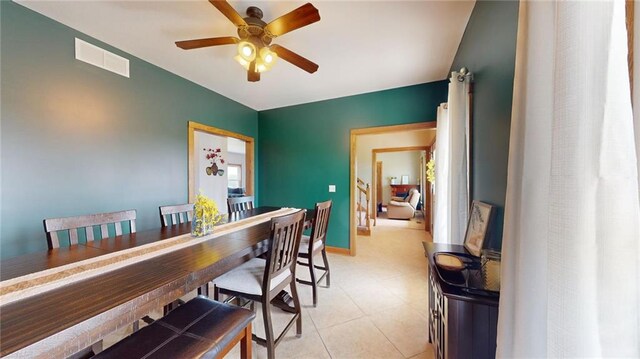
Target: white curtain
(636, 80)
(440, 214)
(452, 197)
(570, 252)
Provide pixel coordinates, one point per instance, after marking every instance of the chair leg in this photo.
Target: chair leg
(216, 292)
(204, 290)
(245, 343)
(268, 328)
(171, 306)
(296, 305)
(326, 265)
(314, 285)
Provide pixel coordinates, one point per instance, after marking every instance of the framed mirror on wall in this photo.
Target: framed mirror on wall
(221, 164)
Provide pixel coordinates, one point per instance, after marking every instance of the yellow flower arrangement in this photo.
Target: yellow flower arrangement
(205, 216)
(431, 171)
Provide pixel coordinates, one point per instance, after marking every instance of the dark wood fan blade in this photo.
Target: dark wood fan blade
(212, 41)
(228, 11)
(295, 59)
(302, 16)
(252, 74)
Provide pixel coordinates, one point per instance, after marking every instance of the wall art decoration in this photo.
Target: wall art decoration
(215, 158)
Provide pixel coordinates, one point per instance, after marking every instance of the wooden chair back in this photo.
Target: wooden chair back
(72, 224)
(320, 225)
(180, 213)
(238, 204)
(286, 233)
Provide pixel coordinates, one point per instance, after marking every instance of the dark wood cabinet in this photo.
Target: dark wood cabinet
(461, 325)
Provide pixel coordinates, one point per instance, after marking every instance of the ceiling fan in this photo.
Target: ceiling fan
(255, 51)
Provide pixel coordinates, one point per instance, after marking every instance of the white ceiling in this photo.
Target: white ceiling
(361, 46)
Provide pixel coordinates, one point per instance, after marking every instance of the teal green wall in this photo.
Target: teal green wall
(488, 49)
(305, 148)
(77, 139)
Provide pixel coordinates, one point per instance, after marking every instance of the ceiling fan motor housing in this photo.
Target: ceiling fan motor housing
(254, 31)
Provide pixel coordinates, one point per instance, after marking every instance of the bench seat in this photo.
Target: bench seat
(201, 328)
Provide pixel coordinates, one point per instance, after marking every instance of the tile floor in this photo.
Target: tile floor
(376, 307)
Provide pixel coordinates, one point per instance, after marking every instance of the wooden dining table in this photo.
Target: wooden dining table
(64, 320)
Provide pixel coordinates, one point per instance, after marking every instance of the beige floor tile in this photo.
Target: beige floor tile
(308, 345)
(405, 329)
(429, 354)
(334, 307)
(373, 298)
(358, 338)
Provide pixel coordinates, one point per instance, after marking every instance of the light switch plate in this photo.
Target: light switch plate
(332, 188)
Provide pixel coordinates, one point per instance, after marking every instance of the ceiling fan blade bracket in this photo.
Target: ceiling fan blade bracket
(268, 34)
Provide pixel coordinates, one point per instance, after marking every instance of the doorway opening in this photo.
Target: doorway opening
(363, 169)
(402, 196)
(221, 164)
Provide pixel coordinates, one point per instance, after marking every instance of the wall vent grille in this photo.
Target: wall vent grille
(101, 58)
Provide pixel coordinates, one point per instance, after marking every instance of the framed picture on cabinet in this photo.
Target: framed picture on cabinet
(480, 216)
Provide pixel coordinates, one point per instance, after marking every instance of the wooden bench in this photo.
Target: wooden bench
(199, 328)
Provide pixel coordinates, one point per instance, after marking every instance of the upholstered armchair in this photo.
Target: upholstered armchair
(403, 209)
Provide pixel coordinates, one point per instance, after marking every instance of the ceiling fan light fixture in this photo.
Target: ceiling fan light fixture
(255, 51)
(247, 50)
(261, 66)
(242, 62)
(268, 57)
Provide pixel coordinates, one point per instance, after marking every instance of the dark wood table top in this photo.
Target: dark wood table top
(32, 319)
(39, 261)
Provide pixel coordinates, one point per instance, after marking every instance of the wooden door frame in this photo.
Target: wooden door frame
(376, 184)
(352, 167)
(249, 155)
(374, 156)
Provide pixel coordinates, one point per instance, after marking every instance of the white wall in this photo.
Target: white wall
(214, 187)
(397, 164)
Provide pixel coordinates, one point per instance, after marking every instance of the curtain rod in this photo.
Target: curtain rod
(464, 73)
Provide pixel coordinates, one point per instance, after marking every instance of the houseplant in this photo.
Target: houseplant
(205, 216)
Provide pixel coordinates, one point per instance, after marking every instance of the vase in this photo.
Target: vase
(200, 227)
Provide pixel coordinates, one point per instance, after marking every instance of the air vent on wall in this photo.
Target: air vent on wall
(102, 58)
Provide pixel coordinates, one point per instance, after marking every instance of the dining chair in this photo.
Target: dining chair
(260, 280)
(181, 213)
(238, 204)
(172, 215)
(310, 246)
(86, 224)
